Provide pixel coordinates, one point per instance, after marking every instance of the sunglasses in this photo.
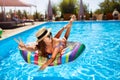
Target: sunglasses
(50, 35)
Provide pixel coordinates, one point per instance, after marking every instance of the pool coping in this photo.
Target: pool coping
(11, 32)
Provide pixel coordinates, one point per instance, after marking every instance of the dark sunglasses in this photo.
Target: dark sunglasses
(50, 35)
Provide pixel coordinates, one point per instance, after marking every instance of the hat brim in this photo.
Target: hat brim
(48, 32)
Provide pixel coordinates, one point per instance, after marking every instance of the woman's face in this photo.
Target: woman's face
(48, 39)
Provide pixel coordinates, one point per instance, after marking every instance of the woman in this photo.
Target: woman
(48, 45)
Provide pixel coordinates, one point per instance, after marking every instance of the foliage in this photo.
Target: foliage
(85, 8)
(91, 14)
(36, 15)
(108, 6)
(54, 8)
(19, 13)
(72, 7)
(68, 6)
(98, 11)
(25, 14)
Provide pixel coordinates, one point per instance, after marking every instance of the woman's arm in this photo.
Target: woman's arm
(28, 48)
(22, 46)
(50, 60)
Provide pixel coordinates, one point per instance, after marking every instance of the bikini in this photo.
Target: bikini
(58, 46)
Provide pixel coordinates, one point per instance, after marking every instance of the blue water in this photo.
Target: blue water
(99, 61)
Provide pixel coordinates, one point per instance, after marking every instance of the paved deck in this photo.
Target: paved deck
(10, 32)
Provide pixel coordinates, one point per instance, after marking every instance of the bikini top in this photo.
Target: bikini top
(58, 46)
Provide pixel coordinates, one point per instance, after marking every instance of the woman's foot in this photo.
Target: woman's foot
(73, 18)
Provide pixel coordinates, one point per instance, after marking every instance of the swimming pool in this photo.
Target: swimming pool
(99, 61)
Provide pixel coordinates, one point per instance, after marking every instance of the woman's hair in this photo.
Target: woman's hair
(42, 48)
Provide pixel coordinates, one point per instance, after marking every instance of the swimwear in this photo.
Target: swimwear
(60, 44)
(49, 56)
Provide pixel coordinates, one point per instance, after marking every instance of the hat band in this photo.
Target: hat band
(43, 34)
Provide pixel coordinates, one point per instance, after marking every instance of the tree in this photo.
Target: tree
(25, 14)
(108, 6)
(54, 8)
(68, 6)
(19, 13)
(98, 11)
(91, 14)
(105, 6)
(36, 16)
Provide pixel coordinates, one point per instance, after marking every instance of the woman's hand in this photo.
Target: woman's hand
(20, 43)
(43, 67)
(62, 52)
(48, 62)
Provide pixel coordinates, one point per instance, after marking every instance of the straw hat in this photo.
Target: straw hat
(43, 32)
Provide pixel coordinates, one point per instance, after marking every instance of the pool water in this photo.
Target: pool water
(99, 61)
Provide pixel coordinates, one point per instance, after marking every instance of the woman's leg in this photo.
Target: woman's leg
(68, 30)
(68, 27)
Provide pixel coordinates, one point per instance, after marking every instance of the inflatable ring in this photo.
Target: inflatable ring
(72, 52)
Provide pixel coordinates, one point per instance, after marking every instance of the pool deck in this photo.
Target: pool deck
(10, 32)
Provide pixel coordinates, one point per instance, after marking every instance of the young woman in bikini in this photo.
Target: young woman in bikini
(48, 45)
